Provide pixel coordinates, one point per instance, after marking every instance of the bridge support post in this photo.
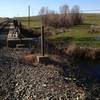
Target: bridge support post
(44, 59)
(42, 40)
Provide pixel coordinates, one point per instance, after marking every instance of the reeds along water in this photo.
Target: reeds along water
(83, 52)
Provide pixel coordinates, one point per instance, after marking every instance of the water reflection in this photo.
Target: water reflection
(91, 68)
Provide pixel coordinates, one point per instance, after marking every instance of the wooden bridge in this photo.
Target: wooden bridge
(11, 36)
(13, 39)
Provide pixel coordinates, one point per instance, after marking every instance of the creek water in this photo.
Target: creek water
(91, 68)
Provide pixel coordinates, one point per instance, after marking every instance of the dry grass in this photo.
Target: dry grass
(30, 58)
(83, 52)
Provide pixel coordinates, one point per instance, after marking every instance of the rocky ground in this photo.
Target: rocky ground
(22, 80)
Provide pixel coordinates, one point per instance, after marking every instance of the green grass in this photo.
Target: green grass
(78, 34)
(92, 18)
(34, 21)
(1, 19)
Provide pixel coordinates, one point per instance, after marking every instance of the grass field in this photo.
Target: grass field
(35, 21)
(78, 34)
(1, 19)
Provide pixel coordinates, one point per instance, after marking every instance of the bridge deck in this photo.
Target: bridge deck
(13, 36)
(13, 40)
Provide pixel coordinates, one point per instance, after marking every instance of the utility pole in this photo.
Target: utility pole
(29, 16)
(42, 40)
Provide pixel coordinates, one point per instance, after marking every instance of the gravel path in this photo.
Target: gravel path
(21, 80)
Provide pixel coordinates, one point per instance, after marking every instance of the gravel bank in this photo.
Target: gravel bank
(21, 80)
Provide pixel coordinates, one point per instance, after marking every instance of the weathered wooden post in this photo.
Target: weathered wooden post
(42, 40)
(29, 16)
(44, 59)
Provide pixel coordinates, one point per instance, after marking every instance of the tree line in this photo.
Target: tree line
(65, 18)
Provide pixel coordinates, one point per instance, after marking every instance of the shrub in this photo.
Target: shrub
(83, 52)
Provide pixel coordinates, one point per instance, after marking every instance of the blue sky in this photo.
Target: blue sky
(13, 8)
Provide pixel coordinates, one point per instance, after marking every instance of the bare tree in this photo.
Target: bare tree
(48, 17)
(64, 9)
(66, 18)
(42, 13)
(76, 15)
(53, 18)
